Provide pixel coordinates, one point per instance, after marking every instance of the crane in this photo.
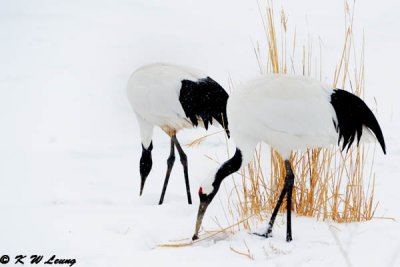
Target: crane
(288, 112)
(173, 98)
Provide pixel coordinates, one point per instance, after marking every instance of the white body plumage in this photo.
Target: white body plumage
(287, 112)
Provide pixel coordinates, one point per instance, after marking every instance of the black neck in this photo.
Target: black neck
(229, 167)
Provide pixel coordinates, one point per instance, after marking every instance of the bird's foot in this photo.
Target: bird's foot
(289, 237)
(266, 234)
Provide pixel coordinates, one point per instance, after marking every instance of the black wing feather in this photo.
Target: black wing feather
(352, 113)
(204, 99)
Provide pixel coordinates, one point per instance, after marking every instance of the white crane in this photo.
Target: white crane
(173, 98)
(288, 113)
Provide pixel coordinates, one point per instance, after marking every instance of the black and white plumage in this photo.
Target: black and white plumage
(173, 98)
(289, 113)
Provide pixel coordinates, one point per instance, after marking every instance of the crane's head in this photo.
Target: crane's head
(206, 195)
(210, 186)
(208, 189)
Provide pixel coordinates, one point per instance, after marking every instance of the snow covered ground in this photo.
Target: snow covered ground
(69, 144)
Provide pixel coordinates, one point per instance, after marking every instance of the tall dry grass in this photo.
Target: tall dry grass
(329, 183)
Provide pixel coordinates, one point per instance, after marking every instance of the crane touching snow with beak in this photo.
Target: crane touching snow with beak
(173, 98)
(288, 113)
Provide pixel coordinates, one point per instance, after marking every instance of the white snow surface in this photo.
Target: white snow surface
(70, 144)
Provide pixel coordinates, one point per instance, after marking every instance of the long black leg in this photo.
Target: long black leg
(170, 164)
(287, 189)
(275, 212)
(290, 181)
(184, 162)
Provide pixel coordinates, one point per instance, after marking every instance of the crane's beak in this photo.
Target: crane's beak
(200, 214)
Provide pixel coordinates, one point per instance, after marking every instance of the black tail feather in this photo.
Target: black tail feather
(204, 99)
(352, 113)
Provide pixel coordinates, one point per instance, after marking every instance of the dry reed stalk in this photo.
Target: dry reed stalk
(209, 235)
(246, 254)
(200, 140)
